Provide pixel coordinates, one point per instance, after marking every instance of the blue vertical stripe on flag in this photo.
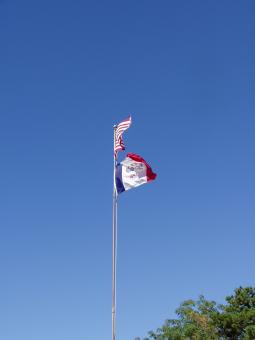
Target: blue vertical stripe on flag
(118, 177)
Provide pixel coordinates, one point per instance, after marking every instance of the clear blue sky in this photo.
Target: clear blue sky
(69, 70)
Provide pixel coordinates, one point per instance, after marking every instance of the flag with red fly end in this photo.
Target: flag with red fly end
(132, 172)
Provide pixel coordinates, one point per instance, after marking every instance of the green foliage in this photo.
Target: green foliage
(237, 318)
(205, 320)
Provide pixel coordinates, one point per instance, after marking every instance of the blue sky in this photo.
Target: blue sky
(69, 71)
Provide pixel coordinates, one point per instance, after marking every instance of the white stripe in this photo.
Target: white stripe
(133, 173)
(123, 125)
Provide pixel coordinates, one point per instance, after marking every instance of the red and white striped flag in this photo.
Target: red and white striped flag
(120, 128)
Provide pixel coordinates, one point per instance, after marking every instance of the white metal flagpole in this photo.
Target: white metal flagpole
(114, 240)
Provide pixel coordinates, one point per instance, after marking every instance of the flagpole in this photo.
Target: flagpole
(114, 239)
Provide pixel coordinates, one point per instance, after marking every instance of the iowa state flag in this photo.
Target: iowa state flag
(132, 172)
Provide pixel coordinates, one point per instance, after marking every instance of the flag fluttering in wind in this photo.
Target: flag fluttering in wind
(132, 172)
(120, 128)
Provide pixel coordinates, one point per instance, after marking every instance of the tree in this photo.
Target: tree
(205, 320)
(237, 318)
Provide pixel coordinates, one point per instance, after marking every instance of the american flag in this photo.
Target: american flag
(120, 128)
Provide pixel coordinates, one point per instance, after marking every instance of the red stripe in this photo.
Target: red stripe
(126, 120)
(121, 130)
(119, 133)
(119, 148)
(123, 124)
(119, 140)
